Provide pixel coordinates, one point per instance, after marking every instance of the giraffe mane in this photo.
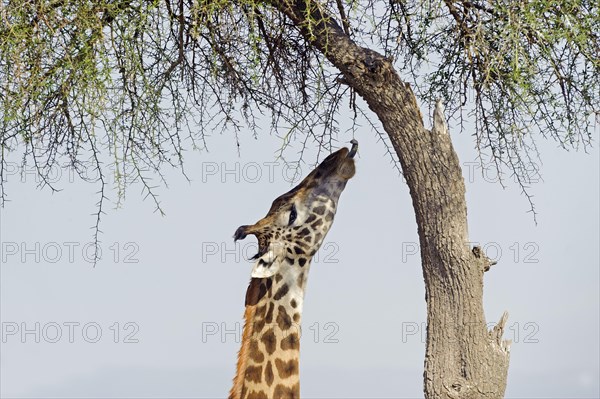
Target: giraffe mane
(256, 290)
(238, 380)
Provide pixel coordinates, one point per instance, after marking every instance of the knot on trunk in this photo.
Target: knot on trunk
(459, 388)
(487, 263)
(372, 66)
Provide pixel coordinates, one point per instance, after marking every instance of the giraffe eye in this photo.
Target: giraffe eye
(293, 215)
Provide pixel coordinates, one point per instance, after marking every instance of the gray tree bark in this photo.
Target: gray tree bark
(463, 359)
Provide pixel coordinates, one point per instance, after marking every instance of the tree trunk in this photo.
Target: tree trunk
(463, 359)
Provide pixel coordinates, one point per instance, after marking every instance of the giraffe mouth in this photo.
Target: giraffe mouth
(240, 233)
(243, 231)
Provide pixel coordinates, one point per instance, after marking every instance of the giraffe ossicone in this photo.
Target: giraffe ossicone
(288, 238)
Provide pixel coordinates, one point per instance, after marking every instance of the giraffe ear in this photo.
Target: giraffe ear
(266, 265)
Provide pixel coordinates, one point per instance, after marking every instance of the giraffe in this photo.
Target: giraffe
(288, 237)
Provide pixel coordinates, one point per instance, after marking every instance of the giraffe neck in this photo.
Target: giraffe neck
(268, 362)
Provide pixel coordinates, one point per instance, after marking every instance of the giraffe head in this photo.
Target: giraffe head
(295, 226)
(288, 237)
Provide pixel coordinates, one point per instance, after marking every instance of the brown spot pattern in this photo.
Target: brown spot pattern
(310, 219)
(281, 292)
(260, 311)
(255, 353)
(305, 231)
(256, 395)
(300, 281)
(286, 369)
(269, 340)
(290, 342)
(283, 392)
(269, 376)
(269, 316)
(284, 321)
(253, 374)
(319, 210)
(259, 324)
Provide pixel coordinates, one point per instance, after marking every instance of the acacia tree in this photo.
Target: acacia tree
(139, 82)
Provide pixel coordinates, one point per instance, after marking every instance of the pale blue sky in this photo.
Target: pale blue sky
(170, 282)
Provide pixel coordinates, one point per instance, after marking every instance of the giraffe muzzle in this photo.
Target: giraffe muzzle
(354, 148)
(240, 233)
